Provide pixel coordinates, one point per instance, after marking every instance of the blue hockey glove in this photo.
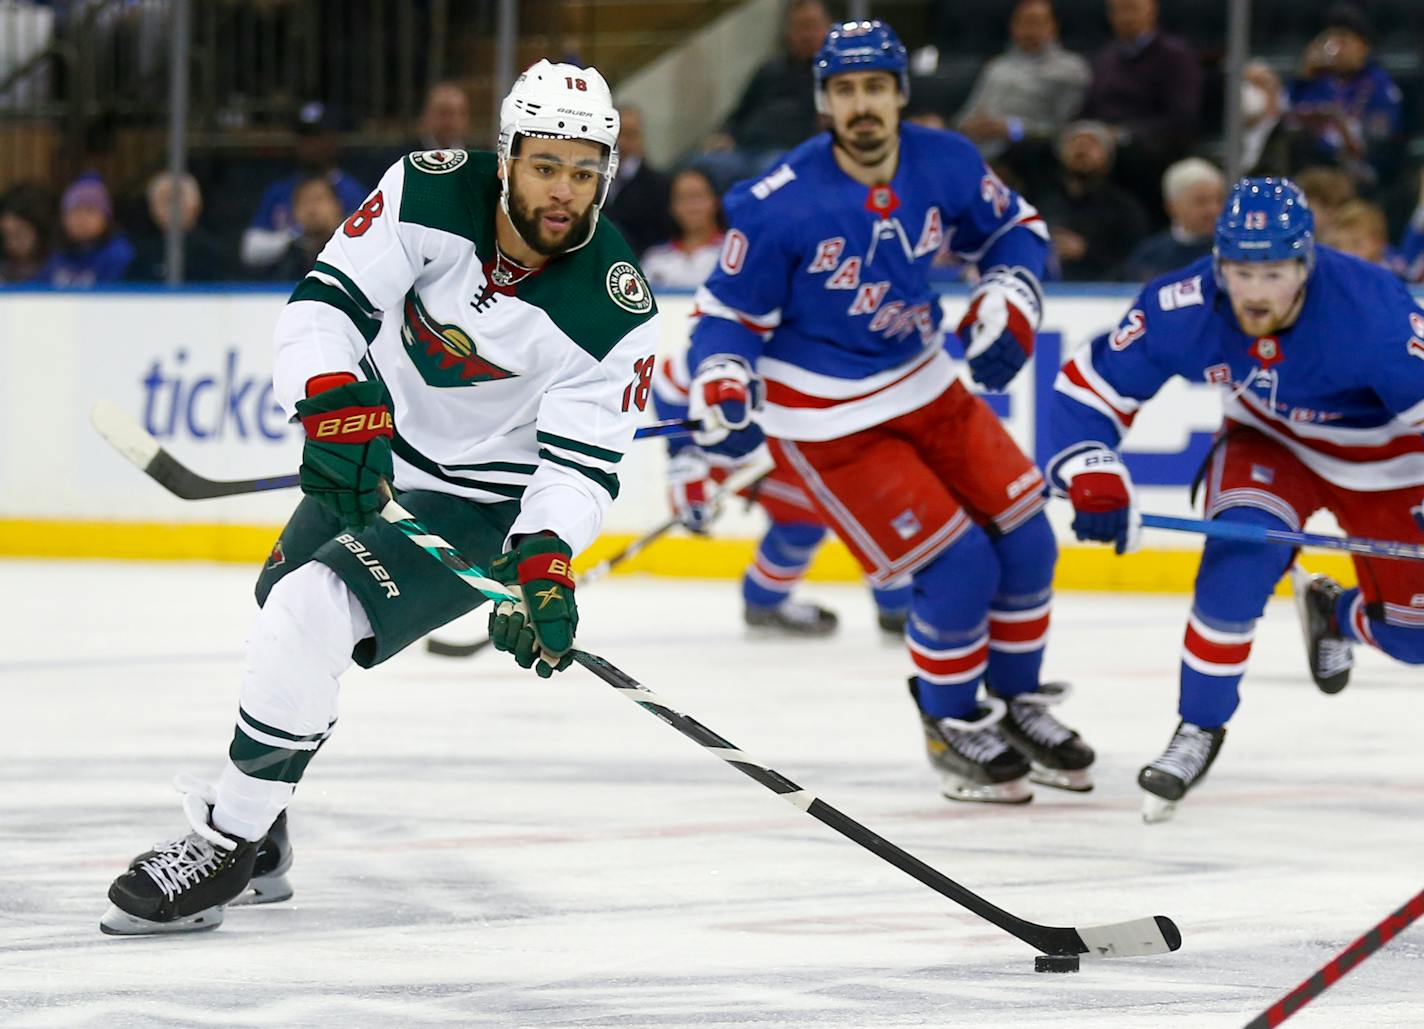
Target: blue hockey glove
(723, 396)
(997, 330)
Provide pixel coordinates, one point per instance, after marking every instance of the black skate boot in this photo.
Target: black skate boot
(181, 886)
(269, 883)
(1182, 765)
(892, 623)
(1058, 755)
(972, 759)
(792, 618)
(1329, 653)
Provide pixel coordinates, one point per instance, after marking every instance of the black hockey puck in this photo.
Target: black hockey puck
(1056, 963)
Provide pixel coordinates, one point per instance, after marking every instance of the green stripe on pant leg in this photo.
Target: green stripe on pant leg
(261, 761)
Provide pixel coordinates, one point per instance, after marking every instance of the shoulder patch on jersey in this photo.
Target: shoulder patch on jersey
(628, 289)
(438, 162)
(769, 185)
(1176, 295)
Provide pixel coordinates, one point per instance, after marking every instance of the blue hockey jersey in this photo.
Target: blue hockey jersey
(1342, 388)
(822, 284)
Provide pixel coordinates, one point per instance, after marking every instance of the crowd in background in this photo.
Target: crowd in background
(1109, 147)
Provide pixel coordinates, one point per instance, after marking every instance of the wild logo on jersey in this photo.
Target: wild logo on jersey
(444, 354)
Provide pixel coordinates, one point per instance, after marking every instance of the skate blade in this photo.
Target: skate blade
(1015, 791)
(1157, 809)
(265, 889)
(1078, 780)
(118, 922)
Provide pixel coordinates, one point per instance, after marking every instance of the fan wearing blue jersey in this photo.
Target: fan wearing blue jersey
(790, 542)
(819, 330)
(1321, 359)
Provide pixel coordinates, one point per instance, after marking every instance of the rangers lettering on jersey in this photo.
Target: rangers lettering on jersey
(811, 234)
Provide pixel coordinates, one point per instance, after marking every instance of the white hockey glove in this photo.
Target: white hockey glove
(723, 396)
(998, 329)
(690, 492)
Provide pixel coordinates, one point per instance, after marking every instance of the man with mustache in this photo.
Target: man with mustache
(474, 339)
(820, 330)
(1321, 356)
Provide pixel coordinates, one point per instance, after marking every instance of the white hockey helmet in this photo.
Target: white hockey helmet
(561, 101)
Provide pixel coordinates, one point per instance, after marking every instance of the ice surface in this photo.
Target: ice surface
(476, 846)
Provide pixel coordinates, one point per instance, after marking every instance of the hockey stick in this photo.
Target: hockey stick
(1139, 937)
(129, 438)
(1246, 533)
(737, 481)
(1340, 965)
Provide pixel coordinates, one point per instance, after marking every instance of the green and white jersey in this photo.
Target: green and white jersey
(530, 392)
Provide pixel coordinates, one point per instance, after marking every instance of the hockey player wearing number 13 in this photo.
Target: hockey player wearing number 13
(474, 337)
(1321, 358)
(822, 302)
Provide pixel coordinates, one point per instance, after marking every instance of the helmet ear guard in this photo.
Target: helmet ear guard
(1266, 219)
(860, 46)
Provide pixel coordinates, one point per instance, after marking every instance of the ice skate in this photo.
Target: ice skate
(183, 885)
(1330, 655)
(973, 760)
(892, 623)
(269, 883)
(1057, 754)
(792, 618)
(1182, 765)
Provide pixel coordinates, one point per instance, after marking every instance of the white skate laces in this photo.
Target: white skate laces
(1187, 754)
(976, 739)
(1334, 656)
(178, 864)
(1030, 711)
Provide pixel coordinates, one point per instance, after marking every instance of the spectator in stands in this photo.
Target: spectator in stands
(1023, 97)
(203, 257)
(1147, 86)
(685, 261)
(638, 197)
(1272, 141)
(1326, 189)
(1358, 227)
(1193, 191)
(318, 151)
(1092, 221)
(1345, 100)
(445, 118)
(92, 249)
(1411, 248)
(26, 232)
(317, 211)
(777, 109)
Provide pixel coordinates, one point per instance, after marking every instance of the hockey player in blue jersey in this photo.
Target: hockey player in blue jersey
(1321, 359)
(786, 549)
(819, 327)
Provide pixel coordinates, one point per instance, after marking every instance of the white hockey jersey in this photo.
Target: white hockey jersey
(530, 391)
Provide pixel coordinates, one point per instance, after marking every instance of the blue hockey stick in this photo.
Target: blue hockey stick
(1246, 533)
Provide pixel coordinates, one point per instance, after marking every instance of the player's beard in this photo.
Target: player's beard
(864, 147)
(526, 222)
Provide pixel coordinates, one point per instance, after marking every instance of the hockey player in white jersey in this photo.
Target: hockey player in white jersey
(475, 338)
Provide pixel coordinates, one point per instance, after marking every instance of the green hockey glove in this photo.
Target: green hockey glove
(348, 449)
(538, 628)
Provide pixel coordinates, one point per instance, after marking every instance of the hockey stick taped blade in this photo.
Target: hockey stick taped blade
(1138, 938)
(123, 433)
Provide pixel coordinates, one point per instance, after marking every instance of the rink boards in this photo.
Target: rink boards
(194, 368)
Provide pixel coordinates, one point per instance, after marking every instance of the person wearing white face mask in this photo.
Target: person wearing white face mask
(1272, 143)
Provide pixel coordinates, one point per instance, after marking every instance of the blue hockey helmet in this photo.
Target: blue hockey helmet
(860, 46)
(1265, 220)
